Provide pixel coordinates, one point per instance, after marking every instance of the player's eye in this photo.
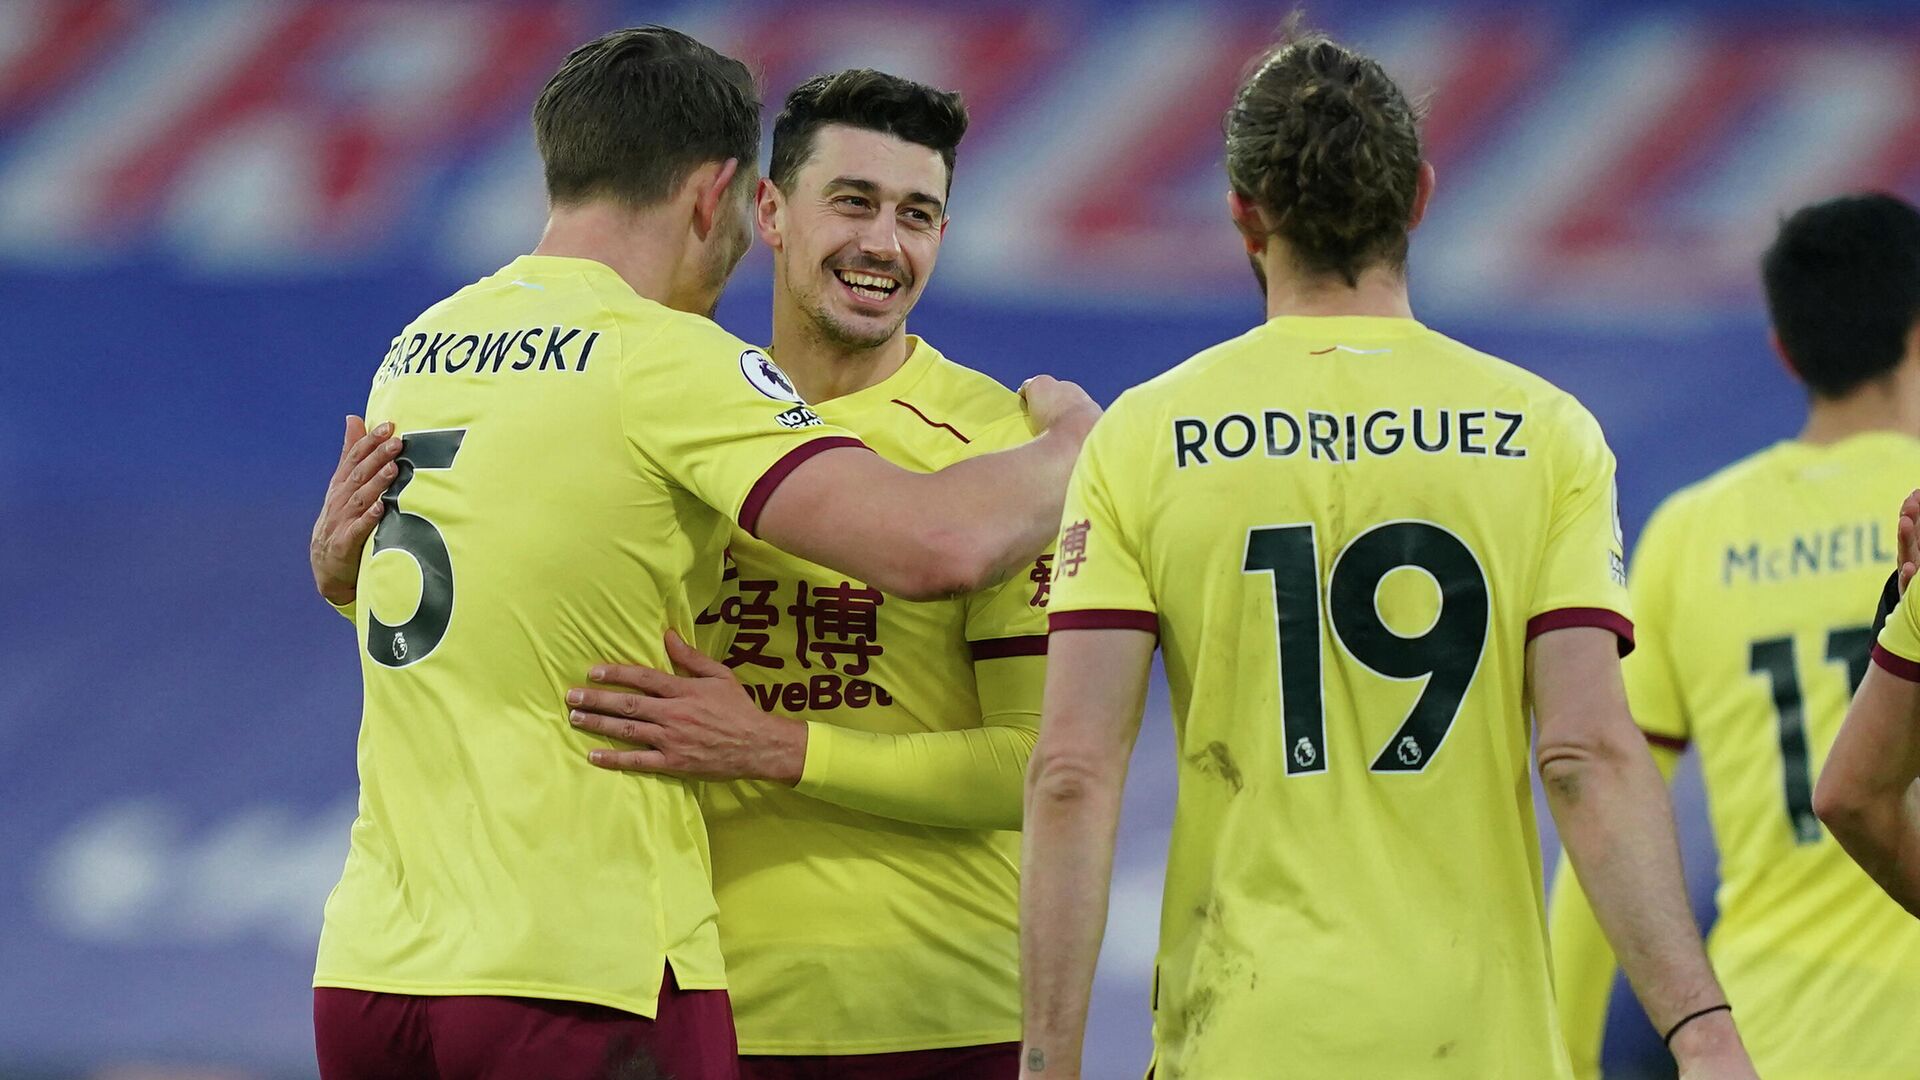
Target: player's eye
(852, 202)
(920, 217)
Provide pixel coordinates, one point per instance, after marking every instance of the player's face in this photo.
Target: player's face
(857, 237)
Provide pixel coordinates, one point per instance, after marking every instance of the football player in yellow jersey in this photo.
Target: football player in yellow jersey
(577, 440)
(1366, 552)
(864, 860)
(1752, 600)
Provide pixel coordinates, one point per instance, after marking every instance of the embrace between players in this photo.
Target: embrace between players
(805, 607)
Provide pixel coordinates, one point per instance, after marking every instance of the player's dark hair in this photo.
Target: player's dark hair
(631, 114)
(1321, 138)
(1843, 289)
(869, 100)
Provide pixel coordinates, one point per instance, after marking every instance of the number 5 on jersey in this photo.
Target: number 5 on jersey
(1446, 655)
(411, 641)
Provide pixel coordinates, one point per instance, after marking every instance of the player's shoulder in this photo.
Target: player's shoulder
(1735, 482)
(966, 393)
(968, 400)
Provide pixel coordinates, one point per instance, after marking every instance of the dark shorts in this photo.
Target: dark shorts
(369, 1036)
(995, 1061)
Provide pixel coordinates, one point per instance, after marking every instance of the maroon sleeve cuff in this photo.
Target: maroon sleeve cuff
(995, 648)
(1666, 742)
(1896, 665)
(1104, 619)
(763, 488)
(1601, 618)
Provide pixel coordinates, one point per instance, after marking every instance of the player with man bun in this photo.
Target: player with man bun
(1368, 553)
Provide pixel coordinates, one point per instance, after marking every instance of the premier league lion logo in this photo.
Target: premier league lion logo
(765, 376)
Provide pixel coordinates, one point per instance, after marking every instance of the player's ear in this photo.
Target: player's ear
(1422, 191)
(766, 213)
(1779, 350)
(710, 183)
(1247, 218)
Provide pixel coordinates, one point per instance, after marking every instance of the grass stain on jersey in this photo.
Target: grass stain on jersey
(1217, 760)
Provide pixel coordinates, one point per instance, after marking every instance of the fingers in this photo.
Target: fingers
(638, 732)
(616, 703)
(350, 536)
(370, 489)
(367, 454)
(356, 431)
(691, 661)
(644, 679)
(643, 761)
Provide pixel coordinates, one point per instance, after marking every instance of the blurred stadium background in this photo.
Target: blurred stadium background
(214, 215)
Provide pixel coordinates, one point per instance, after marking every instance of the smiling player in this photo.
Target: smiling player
(575, 441)
(865, 870)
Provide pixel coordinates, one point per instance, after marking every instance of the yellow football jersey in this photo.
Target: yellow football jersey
(573, 455)
(855, 917)
(1345, 531)
(1755, 592)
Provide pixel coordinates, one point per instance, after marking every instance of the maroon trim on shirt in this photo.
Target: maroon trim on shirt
(1104, 619)
(1895, 664)
(1599, 617)
(763, 488)
(995, 648)
(1666, 742)
(954, 431)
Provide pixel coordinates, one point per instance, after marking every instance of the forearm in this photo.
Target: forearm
(1882, 834)
(1006, 505)
(1066, 868)
(1583, 968)
(967, 779)
(1866, 793)
(1616, 823)
(923, 536)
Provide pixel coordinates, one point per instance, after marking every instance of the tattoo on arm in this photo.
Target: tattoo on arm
(1036, 1060)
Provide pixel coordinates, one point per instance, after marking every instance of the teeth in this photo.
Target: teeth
(871, 281)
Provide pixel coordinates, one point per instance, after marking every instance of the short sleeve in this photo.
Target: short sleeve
(1898, 650)
(1652, 673)
(1010, 619)
(718, 418)
(1099, 573)
(1583, 573)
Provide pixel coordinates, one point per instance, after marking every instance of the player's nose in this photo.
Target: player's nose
(880, 238)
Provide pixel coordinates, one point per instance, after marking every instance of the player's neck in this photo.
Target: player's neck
(823, 369)
(1892, 404)
(636, 245)
(1380, 292)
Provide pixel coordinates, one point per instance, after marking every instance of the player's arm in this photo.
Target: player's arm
(1095, 691)
(924, 536)
(1616, 822)
(972, 778)
(1583, 962)
(1866, 793)
(701, 724)
(350, 510)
